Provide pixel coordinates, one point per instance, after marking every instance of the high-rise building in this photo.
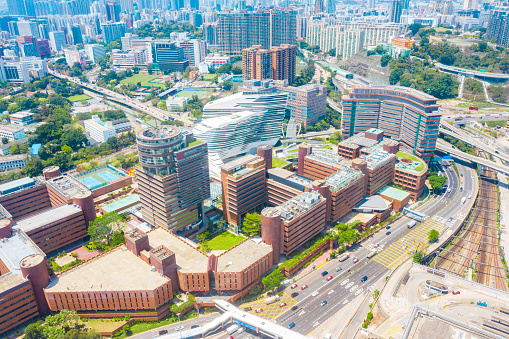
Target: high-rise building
(113, 31)
(173, 178)
(237, 31)
(401, 112)
(194, 4)
(95, 51)
(112, 11)
(319, 6)
(57, 41)
(331, 6)
(43, 48)
(44, 31)
(28, 28)
(21, 7)
(371, 4)
(469, 4)
(302, 26)
(169, 56)
(77, 38)
(195, 50)
(396, 9)
(210, 33)
(277, 63)
(498, 25)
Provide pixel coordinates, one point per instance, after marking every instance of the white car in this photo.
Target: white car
(314, 294)
(242, 329)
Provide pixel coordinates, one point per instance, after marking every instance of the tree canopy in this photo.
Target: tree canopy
(252, 224)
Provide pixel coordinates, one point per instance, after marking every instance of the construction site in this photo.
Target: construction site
(475, 252)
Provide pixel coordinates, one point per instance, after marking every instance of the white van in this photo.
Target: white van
(232, 329)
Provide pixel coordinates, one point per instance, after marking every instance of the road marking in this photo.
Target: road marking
(316, 324)
(345, 302)
(301, 313)
(331, 291)
(344, 281)
(349, 285)
(354, 288)
(359, 291)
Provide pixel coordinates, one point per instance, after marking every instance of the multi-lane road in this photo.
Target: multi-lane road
(346, 284)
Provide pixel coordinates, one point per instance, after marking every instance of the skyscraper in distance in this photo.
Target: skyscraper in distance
(331, 6)
(113, 11)
(319, 6)
(396, 9)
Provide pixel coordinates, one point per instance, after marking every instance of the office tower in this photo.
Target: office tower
(331, 6)
(194, 50)
(13, 28)
(113, 31)
(127, 6)
(177, 4)
(194, 4)
(210, 33)
(469, 4)
(57, 40)
(319, 6)
(112, 11)
(498, 25)
(371, 4)
(21, 7)
(43, 48)
(196, 19)
(301, 27)
(44, 31)
(28, 28)
(396, 9)
(169, 56)
(173, 178)
(94, 52)
(277, 63)
(237, 31)
(401, 112)
(77, 38)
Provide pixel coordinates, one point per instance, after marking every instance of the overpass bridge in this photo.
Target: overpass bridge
(456, 153)
(492, 77)
(457, 133)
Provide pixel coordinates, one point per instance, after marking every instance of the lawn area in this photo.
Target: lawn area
(224, 241)
(144, 79)
(278, 162)
(79, 97)
(104, 325)
(299, 69)
(237, 64)
(144, 326)
(208, 76)
(413, 158)
(190, 93)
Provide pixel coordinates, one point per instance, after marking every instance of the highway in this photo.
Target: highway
(346, 285)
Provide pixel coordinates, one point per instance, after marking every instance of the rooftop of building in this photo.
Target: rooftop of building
(20, 115)
(15, 248)
(100, 177)
(326, 156)
(238, 165)
(121, 204)
(359, 139)
(406, 90)
(352, 216)
(189, 259)
(242, 256)
(412, 163)
(46, 217)
(394, 193)
(117, 270)
(15, 157)
(374, 202)
(378, 158)
(68, 186)
(98, 124)
(158, 133)
(11, 128)
(296, 206)
(10, 280)
(221, 121)
(343, 178)
(16, 185)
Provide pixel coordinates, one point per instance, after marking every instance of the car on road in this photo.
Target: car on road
(329, 278)
(364, 278)
(294, 294)
(324, 273)
(291, 325)
(304, 287)
(259, 310)
(314, 294)
(294, 307)
(178, 328)
(242, 329)
(283, 304)
(195, 326)
(161, 332)
(388, 233)
(293, 286)
(461, 189)
(324, 303)
(450, 219)
(248, 309)
(338, 268)
(461, 174)
(376, 246)
(388, 228)
(455, 292)
(355, 261)
(471, 176)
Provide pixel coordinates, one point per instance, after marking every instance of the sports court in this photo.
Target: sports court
(100, 177)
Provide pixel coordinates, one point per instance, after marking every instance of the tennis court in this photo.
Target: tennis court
(99, 177)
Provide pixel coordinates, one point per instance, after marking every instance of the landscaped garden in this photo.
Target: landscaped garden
(79, 97)
(222, 242)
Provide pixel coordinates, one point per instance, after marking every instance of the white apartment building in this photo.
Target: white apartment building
(21, 70)
(194, 50)
(217, 60)
(12, 132)
(22, 118)
(94, 52)
(11, 162)
(101, 131)
(75, 57)
(57, 41)
(129, 58)
(174, 102)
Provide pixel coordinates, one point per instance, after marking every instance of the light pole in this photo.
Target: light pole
(433, 273)
(180, 327)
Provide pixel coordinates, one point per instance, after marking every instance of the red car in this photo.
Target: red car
(455, 292)
(293, 286)
(282, 305)
(355, 261)
(329, 278)
(259, 310)
(304, 287)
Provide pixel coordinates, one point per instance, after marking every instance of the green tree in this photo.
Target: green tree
(5, 141)
(414, 28)
(437, 182)
(417, 258)
(74, 139)
(236, 70)
(226, 85)
(101, 229)
(385, 60)
(13, 108)
(273, 280)
(252, 224)
(33, 168)
(34, 331)
(433, 235)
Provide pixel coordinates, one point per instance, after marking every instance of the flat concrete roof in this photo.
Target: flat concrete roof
(11, 128)
(239, 161)
(15, 185)
(46, 217)
(118, 270)
(394, 193)
(67, 185)
(188, 258)
(280, 172)
(241, 256)
(352, 216)
(15, 248)
(10, 280)
(121, 204)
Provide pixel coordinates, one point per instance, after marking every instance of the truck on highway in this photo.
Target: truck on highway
(344, 256)
(371, 253)
(271, 300)
(463, 200)
(458, 118)
(411, 224)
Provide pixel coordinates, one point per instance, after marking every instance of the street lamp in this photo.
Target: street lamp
(433, 273)
(180, 327)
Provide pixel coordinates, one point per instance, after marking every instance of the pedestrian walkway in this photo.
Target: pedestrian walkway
(319, 262)
(271, 311)
(403, 248)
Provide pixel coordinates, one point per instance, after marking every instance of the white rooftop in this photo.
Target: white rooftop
(46, 217)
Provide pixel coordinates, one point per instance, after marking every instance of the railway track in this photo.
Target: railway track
(477, 247)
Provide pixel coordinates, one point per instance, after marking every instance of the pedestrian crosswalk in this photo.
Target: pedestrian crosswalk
(403, 248)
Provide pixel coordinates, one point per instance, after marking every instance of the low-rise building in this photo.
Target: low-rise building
(176, 101)
(22, 118)
(22, 70)
(73, 57)
(11, 162)
(101, 131)
(12, 132)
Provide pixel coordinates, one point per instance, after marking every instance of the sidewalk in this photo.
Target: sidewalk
(319, 262)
